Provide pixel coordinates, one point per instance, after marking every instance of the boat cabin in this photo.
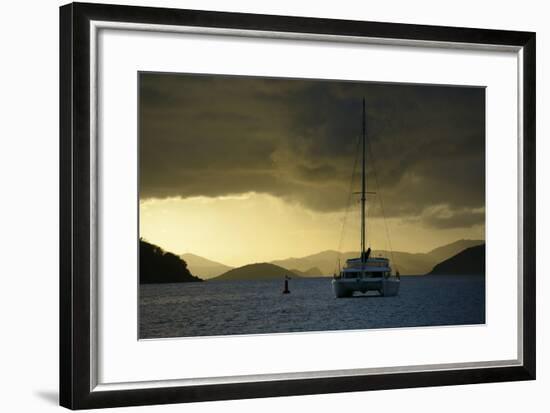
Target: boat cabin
(372, 267)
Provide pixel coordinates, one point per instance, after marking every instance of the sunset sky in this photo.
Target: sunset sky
(244, 169)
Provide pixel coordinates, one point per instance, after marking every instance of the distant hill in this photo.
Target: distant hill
(449, 250)
(159, 266)
(327, 261)
(469, 261)
(404, 262)
(408, 263)
(261, 271)
(204, 267)
(312, 272)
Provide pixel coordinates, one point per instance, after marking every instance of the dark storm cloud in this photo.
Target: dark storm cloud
(297, 140)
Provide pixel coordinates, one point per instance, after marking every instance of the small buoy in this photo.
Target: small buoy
(286, 290)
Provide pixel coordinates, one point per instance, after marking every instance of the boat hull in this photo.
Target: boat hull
(346, 287)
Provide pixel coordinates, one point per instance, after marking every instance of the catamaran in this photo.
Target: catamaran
(365, 273)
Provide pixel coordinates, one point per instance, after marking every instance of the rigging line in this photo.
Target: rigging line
(350, 196)
(379, 192)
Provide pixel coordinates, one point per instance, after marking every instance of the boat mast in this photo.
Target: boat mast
(363, 193)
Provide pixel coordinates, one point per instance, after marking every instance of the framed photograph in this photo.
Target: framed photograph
(258, 206)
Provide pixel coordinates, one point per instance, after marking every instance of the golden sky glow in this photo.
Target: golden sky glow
(238, 230)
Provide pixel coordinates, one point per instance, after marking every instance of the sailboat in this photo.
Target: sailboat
(365, 273)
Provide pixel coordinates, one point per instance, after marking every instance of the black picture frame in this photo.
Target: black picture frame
(75, 219)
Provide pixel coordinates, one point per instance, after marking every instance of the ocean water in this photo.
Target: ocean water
(253, 307)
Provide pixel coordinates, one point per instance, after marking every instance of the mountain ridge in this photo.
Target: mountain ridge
(256, 271)
(204, 267)
(446, 251)
(326, 261)
(470, 261)
(159, 266)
